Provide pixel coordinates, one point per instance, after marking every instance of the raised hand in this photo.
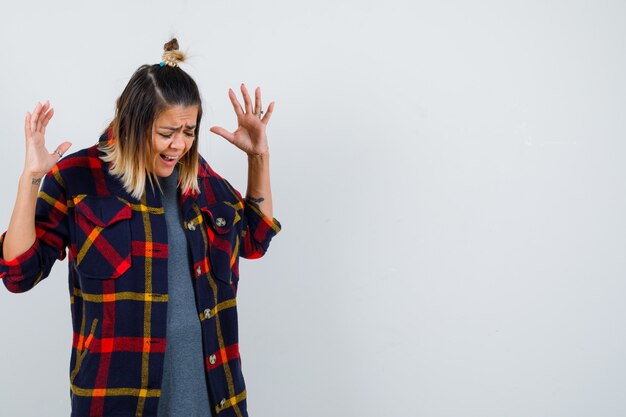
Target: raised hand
(250, 135)
(38, 160)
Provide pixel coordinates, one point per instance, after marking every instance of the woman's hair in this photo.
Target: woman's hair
(151, 90)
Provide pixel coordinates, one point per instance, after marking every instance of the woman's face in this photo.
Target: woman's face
(173, 134)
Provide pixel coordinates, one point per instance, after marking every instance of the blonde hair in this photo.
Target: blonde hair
(151, 90)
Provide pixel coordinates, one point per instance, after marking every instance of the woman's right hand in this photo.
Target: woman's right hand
(38, 160)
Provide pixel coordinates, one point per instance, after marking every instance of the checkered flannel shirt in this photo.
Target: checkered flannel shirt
(118, 251)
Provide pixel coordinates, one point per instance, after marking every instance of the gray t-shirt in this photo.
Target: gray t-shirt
(184, 387)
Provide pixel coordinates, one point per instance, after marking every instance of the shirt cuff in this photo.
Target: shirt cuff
(262, 228)
(18, 274)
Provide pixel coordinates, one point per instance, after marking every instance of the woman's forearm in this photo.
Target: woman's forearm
(21, 233)
(259, 189)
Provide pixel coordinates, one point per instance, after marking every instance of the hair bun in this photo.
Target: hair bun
(172, 56)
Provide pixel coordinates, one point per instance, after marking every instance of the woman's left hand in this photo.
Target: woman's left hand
(250, 135)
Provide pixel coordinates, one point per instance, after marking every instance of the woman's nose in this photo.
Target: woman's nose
(177, 141)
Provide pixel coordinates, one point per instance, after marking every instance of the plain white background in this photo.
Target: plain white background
(449, 176)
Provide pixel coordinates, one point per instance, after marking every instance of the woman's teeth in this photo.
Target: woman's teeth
(168, 158)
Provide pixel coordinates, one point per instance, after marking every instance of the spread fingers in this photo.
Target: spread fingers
(246, 98)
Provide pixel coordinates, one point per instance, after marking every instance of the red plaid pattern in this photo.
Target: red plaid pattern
(117, 247)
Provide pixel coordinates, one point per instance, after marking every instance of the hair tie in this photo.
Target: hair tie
(172, 58)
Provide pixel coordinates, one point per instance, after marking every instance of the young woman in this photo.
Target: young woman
(154, 237)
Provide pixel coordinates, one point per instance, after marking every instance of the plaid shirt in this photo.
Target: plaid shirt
(118, 253)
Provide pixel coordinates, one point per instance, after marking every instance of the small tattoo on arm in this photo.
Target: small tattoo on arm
(35, 181)
(255, 201)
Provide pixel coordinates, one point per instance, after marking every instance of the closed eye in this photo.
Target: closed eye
(169, 135)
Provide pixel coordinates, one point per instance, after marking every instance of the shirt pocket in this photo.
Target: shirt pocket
(102, 236)
(221, 222)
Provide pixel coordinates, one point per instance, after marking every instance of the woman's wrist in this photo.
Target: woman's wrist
(258, 155)
(32, 178)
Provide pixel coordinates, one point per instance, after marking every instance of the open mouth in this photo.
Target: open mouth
(168, 158)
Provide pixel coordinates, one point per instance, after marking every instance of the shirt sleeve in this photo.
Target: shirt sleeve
(258, 231)
(51, 227)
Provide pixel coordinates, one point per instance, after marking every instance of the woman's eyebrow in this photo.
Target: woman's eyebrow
(176, 128)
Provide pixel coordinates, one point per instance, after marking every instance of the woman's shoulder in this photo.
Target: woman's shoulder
(82, 159)
(81, 171)
(205, 170)
(217, 186)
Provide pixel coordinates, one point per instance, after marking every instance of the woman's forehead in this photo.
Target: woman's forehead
(178, 116)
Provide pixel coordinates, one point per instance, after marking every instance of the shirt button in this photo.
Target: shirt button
(212, 359)
(207, 313)
(220, 222)
(222, 402)
(198, 270)
(191, 226)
